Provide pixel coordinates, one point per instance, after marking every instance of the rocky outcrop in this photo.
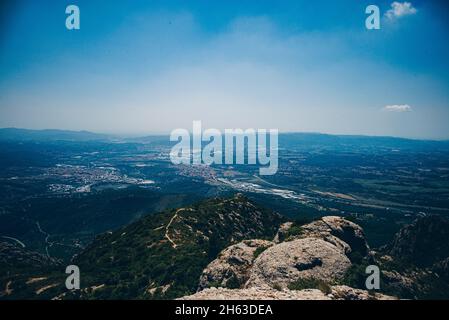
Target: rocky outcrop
(401, 283)
(256, 294)
(309, 258)
(344, 234)
(317, 251)
(231, 268)
(424, 242)
(311, 261)
(337, 293)
(282, 232)
(416, 264)
(348, 293)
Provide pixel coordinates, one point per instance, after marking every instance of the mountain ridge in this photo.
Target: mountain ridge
(230, 247)
(157, 257)
(17, 134)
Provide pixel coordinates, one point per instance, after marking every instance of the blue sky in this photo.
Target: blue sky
(140, 67)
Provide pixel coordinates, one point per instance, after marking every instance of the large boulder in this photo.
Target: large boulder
(317, 251)
(303, 262)
(230, 269)
(344, 234)
(287, 262)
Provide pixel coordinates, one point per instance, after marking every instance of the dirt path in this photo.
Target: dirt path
(173, 244)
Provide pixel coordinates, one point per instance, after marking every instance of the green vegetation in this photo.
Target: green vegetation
(355, 276)
(306, 283)
(158, 257)
(138, 261)
(294, 231)
(259, 250)
(277, 287)
(233, 283)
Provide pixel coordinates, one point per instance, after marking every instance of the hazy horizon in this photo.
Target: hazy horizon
(297, 66)
(149, 133)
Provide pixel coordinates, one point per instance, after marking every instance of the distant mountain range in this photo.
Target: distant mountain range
(17, 134)
(14, 134)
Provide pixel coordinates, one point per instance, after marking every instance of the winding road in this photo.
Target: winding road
(16, 240)
(47, 236)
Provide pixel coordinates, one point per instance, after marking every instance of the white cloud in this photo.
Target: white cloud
(400, 9)
(397, 108)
